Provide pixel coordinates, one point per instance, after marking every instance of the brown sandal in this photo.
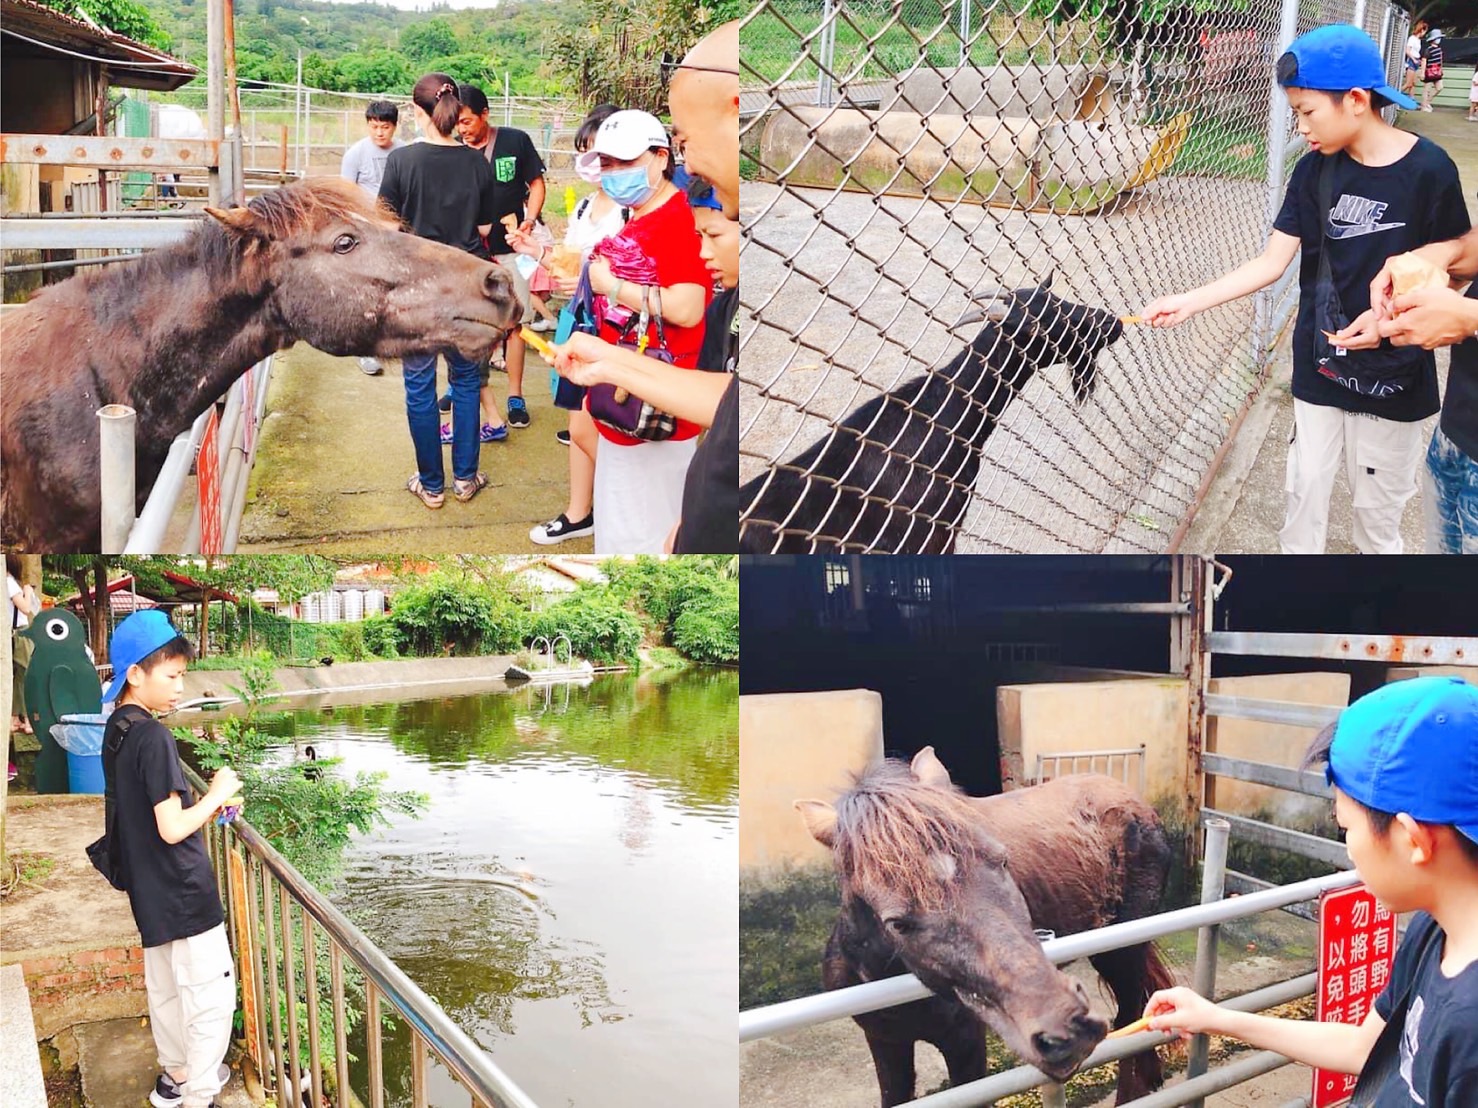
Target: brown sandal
(466, 490)
(432, 500)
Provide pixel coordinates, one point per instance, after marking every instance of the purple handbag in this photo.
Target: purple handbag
(619, 409)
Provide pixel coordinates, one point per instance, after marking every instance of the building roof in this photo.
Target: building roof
(186, 591)
(34, 30)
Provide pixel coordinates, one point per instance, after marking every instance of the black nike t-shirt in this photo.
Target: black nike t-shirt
(1375, 212)
(516, 165)
(1437, 1063)
(443, 193)
(1460, 405)
(171, 887)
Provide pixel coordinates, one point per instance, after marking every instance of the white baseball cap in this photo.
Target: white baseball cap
(629, 134)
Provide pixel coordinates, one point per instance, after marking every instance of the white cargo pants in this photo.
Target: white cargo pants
(1381, 461)
(192, 995)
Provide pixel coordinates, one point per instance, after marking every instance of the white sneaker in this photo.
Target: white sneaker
(560, 528)
(543, 326)
(1426, 108)
(371, 366)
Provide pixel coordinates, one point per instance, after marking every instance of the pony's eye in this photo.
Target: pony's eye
(345, 243)
(900, 925)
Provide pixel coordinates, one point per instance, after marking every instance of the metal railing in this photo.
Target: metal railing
(279, 925)
(1128, 759)
(794, 1015)
(900, 157)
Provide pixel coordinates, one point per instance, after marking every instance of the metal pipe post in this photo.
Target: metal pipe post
(116, 426)
(215, 77)
(1213, 884)
(1277, 139)
(826, 41)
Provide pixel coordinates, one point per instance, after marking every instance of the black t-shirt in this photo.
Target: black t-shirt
(171, 888)
(1438, 1045)
(710, 519)
(516, 165)
(443, 192)
(1376, 211)
(1460, 405)
(720, 349)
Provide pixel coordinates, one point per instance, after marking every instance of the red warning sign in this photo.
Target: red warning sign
(1357, 946)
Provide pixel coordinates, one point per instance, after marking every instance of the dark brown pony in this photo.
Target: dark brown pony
(950, 888)
(167, 334)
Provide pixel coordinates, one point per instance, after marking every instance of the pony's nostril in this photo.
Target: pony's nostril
(1050, 1046)
(1089, 1024)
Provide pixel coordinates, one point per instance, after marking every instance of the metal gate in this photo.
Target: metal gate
(902, 155)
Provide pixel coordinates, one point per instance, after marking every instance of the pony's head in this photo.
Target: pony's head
(916, 861)
(1046, 329)
(341, 275)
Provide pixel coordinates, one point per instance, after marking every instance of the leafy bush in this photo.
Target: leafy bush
(350, 645)
(598, 626)
(662, 589)
(473, 616)
(379, 637)
(707, 628)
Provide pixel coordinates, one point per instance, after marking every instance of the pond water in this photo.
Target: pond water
(570, 896)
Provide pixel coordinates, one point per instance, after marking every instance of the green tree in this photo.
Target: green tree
(614, 57)
(377, 71)
(433, 39)
(123, 16)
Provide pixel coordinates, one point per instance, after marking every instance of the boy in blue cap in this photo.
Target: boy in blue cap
(1374, 191)
(159, 851)
(1404, 765)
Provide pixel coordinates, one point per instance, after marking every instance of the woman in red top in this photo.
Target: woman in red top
(639, 485)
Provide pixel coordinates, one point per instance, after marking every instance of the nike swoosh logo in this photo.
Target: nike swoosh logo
(1351, 231)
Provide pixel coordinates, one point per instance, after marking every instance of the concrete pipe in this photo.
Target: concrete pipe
(983, 158)
(1072, 167)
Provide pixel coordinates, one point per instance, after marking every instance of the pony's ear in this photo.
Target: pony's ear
(929, 769)
(821, 820)
(241, 222)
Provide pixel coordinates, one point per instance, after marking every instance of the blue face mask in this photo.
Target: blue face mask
(627, 187)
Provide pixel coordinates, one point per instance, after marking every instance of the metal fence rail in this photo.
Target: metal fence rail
(280, 926)
(901, 155)
(1122, 764)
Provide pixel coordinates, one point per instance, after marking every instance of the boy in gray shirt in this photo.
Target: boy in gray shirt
(364, 164)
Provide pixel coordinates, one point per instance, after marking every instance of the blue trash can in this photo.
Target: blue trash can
(81, 736)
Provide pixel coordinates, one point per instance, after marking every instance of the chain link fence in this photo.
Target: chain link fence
(903, 157)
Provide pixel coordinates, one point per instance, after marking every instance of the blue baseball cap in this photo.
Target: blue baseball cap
(133, 640)
(1339, 58)
(1412, 746)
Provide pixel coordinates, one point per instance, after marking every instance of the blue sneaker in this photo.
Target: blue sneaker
(489, 433)
(518, 412)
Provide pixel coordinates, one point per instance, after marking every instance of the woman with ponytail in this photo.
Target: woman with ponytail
(442, 191)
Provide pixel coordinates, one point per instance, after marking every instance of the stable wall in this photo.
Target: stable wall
(796, 746)
(1080, 716)
(1273, 743)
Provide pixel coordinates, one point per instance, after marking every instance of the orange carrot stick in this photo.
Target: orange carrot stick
(534, 339)
(1137, 1026)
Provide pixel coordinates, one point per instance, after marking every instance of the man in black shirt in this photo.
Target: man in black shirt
(518, 174)
(162, 860)
(1429, 318)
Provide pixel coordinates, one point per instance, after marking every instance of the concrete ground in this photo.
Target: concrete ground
(118, 1066)
(335, 455)
(1243, 508)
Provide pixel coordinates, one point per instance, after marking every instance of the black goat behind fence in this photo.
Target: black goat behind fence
(897, 474)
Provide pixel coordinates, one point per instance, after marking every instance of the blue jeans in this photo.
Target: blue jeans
(421, 413)
(1450, 494)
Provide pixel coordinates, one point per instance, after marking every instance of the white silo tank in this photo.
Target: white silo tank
(353, 605)
(313, 608)
(374, 603)
(333, 608)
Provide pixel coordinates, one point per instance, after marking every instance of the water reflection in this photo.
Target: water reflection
(570, 897)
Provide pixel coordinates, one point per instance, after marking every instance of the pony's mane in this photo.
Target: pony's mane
(309, 205)
(890, 825)
(301, 206)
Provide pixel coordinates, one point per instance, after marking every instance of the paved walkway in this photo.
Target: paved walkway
(1243, 510)
(335, 455)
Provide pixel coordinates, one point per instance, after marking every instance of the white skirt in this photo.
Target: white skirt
(638, 494)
